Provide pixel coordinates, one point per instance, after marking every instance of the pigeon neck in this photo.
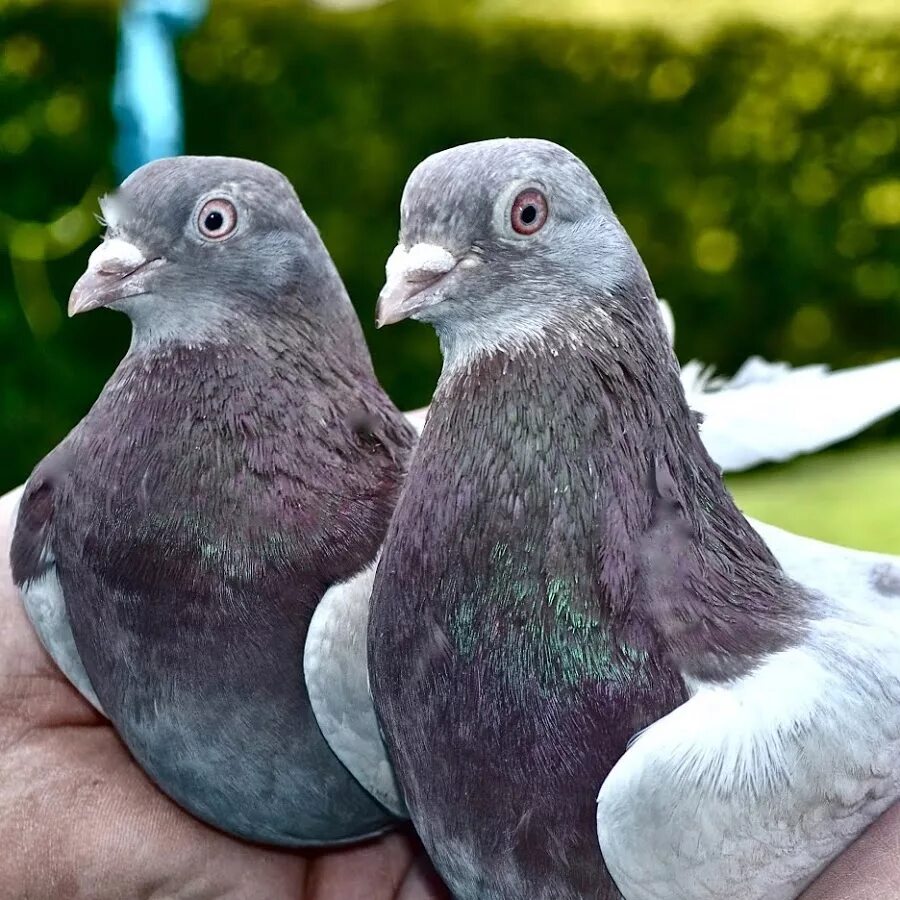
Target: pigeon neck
(296, 334)
(511, 332)
(588, 447)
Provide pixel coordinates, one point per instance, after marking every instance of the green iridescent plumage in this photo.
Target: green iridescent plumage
(528, 625)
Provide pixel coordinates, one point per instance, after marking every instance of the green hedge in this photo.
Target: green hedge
(757, 172)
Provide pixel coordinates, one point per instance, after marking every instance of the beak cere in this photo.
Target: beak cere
(410, 274)
(116, 269)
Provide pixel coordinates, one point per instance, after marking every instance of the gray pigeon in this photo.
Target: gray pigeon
(241, 462)
(565, 568)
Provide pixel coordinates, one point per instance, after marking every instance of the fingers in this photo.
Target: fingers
(370, 871)
(869, 869)
(82, 821)
(422, 882)
(390, 868)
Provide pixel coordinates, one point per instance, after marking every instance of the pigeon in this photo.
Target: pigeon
(568, 600)
(241, 462)
(769, 412)
(337, 673)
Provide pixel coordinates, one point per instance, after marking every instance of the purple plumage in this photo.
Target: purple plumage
(564, 555)
(240, 461)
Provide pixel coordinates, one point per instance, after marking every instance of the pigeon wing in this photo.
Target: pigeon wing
(770, 412)
(35, 574)
(337, 679)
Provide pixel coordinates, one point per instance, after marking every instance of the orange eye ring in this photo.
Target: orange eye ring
(217, 219)
(529, 212)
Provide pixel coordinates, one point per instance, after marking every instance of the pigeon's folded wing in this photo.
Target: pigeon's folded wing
(750, 789)
(753, 785)
(861, 577)
(34, 572)
(770, 412)
(336, 672)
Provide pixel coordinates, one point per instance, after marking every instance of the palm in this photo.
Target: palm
(80, 819)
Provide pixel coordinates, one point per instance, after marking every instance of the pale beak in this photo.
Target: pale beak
(410, 273)
(116, 269)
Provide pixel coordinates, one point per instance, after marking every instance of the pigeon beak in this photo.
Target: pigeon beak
(410, 276)
(116, 269)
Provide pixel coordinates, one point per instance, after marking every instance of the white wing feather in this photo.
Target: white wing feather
(46, 608)
(751, 787)
(336, 672)
(770, 412)
(417, 418)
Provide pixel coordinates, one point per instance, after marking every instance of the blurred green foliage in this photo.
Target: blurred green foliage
(848, 496)
(757, 171)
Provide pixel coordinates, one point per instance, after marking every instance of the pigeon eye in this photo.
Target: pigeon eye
(217, 219)
(529, 212)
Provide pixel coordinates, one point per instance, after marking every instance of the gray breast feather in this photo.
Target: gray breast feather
(334, 664)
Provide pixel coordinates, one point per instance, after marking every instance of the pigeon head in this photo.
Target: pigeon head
(506, 238)
(194, 245)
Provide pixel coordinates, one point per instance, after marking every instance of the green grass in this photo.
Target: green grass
(849, 497)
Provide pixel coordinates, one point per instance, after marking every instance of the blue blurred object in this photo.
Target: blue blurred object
(146, 95)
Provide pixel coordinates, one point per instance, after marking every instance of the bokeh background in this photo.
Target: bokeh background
(751, 147)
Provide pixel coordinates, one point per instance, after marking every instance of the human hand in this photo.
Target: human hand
(79, 819)
(869, 869)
